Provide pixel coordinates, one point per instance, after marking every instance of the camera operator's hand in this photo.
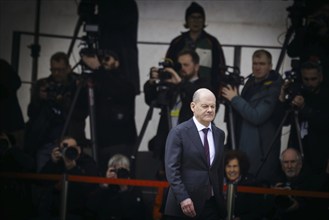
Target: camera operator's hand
(56, 154)
(91, 61)
(282, 96)
(298, 101)
(111, 173)
(228, 92)
(154, 75)
(175, 78)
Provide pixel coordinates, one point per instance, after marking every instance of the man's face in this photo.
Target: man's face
(232, 170)
(311, 78)
(290, 164)
(59, 70)
(261, 67)
(204, 109)
(188, 68)
(195, 22)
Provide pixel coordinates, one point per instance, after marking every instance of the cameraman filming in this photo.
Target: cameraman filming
(312, 117)
(311, 39)
(114, 105)
(51, 99)
(172, 91)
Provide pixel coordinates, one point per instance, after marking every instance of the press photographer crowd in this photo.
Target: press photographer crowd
(188, 87)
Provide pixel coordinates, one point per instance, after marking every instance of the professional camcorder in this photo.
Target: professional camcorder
(167, 63)
(232, 77)
(294, 87)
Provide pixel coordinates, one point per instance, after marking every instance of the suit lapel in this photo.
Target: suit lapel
(195, 138)
(216, 137)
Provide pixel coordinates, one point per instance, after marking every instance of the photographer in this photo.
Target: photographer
(311, 39)
(51, 98)
(117, 201)
(256, 116)
(114, 106)
(312, 116)
(173, 94)
(68, 157)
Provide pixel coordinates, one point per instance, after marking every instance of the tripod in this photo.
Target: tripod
(161, 101)
(86, 80)
(278, 132)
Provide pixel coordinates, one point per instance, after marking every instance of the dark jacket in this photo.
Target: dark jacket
(255, 128)
(114, 109)
(188, 171)
(184, 41)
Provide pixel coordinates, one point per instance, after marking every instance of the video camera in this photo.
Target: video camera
(167, 63)
(91, 40)
(232, 77)
(294, 86)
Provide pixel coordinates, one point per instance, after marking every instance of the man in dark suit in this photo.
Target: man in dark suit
(194, 164)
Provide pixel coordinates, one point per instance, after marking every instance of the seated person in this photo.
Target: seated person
(298, 177)
(246, 205)
(117, 201)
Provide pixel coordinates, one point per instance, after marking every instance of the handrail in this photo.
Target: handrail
(158, 184)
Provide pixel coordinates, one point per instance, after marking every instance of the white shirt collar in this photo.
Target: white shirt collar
(200, 126)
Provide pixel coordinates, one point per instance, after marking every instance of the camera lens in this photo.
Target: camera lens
(70, 153)
(122, 173)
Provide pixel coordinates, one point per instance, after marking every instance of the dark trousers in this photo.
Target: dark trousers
(210, 212)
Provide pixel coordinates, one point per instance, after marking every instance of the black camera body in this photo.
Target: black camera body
(122, 173)
(232, 77)
(294, 87)
(70, 153)
(163, 75)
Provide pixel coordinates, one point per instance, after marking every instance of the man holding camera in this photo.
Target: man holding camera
(312, 117)
(173, 95)
(114, 106)
(68, 157)
(256, 123)
(51, 99)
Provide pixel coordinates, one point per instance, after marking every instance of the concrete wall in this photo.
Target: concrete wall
(252, 22)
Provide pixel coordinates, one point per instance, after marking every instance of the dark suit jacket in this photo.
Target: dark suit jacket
(187, 170)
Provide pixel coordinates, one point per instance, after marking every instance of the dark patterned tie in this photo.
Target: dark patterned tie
(206, 144)
(206, 149)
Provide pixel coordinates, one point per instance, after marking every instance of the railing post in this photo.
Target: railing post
(65, 186)
(231, 189)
